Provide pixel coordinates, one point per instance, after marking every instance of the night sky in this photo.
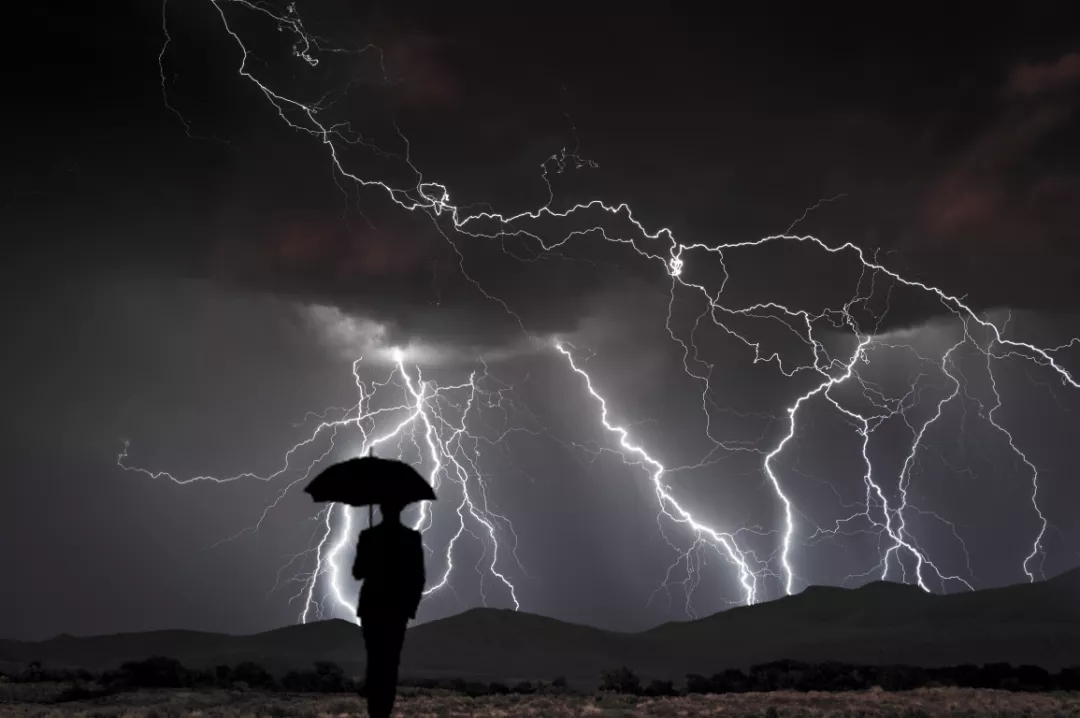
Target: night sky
(185, 272)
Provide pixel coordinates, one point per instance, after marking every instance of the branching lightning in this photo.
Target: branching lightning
(437, 425)
(434, 421)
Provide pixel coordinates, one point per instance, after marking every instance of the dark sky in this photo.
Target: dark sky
(184, 271)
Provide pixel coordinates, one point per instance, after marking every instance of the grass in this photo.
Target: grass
(417, 703)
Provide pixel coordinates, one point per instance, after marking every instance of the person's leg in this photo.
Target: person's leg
(376, 679)
(395, 639)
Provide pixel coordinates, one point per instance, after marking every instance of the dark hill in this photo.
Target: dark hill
(1036, 623)
(878, 623)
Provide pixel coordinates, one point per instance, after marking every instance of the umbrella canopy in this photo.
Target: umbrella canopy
(369, 480)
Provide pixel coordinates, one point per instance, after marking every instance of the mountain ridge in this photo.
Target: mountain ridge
(877, 623)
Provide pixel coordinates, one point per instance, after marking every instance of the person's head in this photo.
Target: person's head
(391, 512)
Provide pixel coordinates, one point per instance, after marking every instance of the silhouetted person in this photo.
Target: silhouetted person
(390, 561)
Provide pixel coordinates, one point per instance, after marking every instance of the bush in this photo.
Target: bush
(994, 675)
(1068, 679)
(253, 675)
(223, 676)
(832, 676)
(660, 688)
(776, 676)
(35, 673)
(731, 681)
(330, 677)
(475, 689)
(300, 681)
(154, 672)
(1033, 678)
(964, 676)
(835, 676)
(620, 680)
(696, 683)
(84, 692)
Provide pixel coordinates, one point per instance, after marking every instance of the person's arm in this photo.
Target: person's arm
(419, 576)
(360, 564)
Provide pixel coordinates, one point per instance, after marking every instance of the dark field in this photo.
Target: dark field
(20, 700)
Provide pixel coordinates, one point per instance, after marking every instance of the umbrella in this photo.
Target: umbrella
(369, 480)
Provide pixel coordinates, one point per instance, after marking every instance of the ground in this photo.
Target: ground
(430, 704)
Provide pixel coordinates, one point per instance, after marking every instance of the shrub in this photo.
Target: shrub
(300, 681)
(1033, 678)
(32, 673)
(832, 676)
(1068, 679)
(154, 672)
(696, 683)
(475, 689)
(730, 681)
(223, 676)
(902, 678)
(964, 676)
(620, 680)
(776, 676)
(253, 675)
(83, 692)
(994, 675)
(660, 688)
(330, 677)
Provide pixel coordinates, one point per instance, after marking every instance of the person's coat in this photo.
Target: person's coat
(390, 562)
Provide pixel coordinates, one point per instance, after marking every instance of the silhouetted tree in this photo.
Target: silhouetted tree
(154, 672)
(83, 692)
(1033, 678)
(994, 675)
(658, 688)
(223, 676)
(202, 677)
(696, 683)
(31, 674)
(831, 676)
(1068, 679)
(253, 674)
(776, 676)
(620, 680)
(902, 678)
(300, 681)
(331, 677)
(964, 676)
(731, 681)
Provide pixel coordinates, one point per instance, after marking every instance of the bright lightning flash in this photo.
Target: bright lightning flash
(435, 421)
(430, 422)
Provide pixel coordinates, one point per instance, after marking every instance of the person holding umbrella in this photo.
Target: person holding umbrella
(389, 561)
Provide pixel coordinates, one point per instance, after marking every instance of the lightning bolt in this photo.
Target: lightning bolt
(433, 422)
(435, 428)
